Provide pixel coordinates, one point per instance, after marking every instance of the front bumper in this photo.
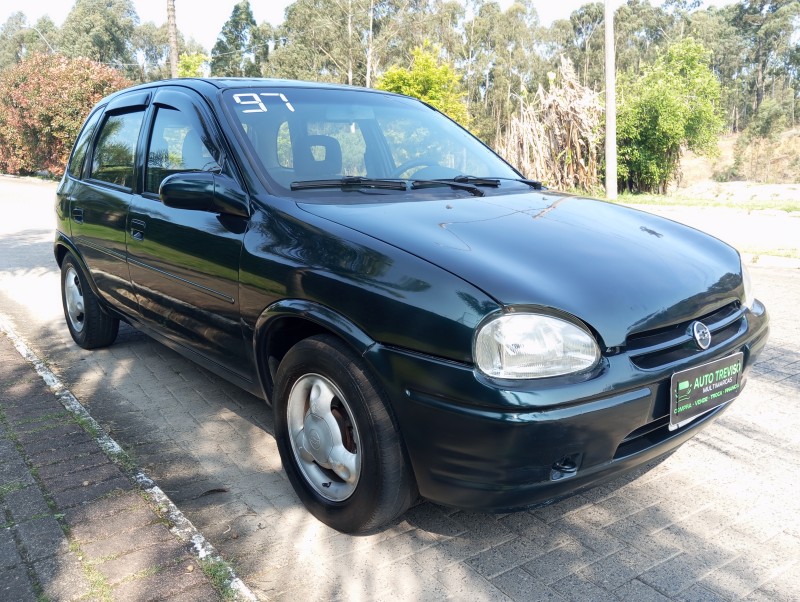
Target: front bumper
(476, 445)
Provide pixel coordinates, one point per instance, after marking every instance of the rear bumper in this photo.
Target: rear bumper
(478, 445)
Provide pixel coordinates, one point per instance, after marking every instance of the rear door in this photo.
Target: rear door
(184, 264)
(99, 202)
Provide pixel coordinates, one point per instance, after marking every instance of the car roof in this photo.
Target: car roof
(210, 85)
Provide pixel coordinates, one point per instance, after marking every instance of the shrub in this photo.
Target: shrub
(44, 100)
(672, 106)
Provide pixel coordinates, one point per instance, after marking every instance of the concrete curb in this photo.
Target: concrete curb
(181, 526)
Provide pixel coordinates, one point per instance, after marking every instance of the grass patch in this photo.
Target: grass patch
(753, 204)
(50, 416)
(219, 574)
(10, 488)
(789, 253)
(123, 460)
(87, 425)
(99, 589)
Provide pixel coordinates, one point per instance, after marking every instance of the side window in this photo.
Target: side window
(176, 145)
(75, 168)
(113, 159)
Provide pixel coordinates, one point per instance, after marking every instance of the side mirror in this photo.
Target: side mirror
(204, 191)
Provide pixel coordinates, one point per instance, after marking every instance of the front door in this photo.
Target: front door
(184, 264)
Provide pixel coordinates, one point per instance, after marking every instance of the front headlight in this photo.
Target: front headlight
(747, 284)
(520, 346)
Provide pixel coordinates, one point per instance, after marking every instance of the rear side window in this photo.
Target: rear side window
(75, 168)
(114, 155)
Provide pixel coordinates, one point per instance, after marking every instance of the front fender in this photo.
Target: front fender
(286, 322)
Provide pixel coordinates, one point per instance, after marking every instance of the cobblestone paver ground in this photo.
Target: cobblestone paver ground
(715, 521)
(73, 526)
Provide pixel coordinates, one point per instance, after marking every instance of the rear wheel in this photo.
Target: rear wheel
(88, 324)
(337, 439)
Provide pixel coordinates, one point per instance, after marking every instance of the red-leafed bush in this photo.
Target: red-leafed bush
(44, 100)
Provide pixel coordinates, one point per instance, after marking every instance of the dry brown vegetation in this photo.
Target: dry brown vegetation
(763, 160)
(555, 138)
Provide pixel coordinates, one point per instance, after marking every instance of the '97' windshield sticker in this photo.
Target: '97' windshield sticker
(251, 98)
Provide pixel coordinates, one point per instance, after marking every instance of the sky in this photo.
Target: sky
(204, 24)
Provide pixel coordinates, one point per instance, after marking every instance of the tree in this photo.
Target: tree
(241, 47)
(587, 22)
(430, 80)
(102, 31)
(327, 40)
(150, 47)
(18, 39)
(674, 105)
(769, 26)
(172, 31)
(44, 100)
(191, 65)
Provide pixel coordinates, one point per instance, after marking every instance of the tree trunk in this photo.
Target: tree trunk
(350, 42)
(369, 43)
(172, 31)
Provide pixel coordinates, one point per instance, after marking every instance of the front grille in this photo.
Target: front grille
(664, 346)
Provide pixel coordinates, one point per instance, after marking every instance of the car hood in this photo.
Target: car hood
(617, 269)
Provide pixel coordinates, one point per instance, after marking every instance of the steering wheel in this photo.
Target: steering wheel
(416, 162)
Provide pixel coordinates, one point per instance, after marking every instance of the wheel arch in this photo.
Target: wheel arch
(287, 322)
(64, 245)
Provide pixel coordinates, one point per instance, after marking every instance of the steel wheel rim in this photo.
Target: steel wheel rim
(73, 297)
(324, 437)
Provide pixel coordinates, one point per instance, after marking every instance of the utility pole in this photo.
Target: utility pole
(611, 106)
(172, 31)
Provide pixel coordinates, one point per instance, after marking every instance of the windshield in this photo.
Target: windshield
(304, 135)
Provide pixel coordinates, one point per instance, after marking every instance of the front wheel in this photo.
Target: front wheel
(337, 439)
(88, 324)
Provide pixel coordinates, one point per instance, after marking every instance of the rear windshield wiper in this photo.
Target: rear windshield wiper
(350, 182)
(471, 188)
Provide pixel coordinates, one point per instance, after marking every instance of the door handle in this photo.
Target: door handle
(137, 229)
(77, 215)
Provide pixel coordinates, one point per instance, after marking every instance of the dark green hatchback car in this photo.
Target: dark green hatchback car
(424, 320)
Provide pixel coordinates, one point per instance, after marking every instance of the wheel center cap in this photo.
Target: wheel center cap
(319, 439)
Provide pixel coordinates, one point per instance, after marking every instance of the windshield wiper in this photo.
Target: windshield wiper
(474, 180)
(471, 188)
(350, 182)
(535, 184)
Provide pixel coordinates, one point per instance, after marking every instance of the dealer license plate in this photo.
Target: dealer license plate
(697, 390)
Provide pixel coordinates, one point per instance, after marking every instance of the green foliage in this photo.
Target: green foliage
(191, 65)
(240, 47)
(430, 80)
(18, 39)
(44, 100)
(329, 40)
(671, 107)
(100, 30)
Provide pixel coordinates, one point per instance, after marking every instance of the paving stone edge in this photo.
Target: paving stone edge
(181, 526)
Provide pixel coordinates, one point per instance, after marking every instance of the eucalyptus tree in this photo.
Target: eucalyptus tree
(770, 28)
(241, 48)
(18, 39)
(102, 31)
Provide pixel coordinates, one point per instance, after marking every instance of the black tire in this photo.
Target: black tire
(89, 325)
(324, 374)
